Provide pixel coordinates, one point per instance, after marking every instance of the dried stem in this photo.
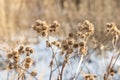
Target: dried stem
(87, 58)
(110, 66)
(116, 60)
(78, 67)
(63, 66)
(53, 56)
(27, 72)
(50, 73)
(108, 69)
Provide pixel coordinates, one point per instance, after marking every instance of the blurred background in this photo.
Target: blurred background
(17, 16)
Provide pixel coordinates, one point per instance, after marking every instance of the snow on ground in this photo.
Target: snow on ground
(42, 56)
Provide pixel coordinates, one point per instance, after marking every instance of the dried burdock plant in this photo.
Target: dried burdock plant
(41, 27)
(33, 73)
(112, 63)
(71, 43)
(54, 26)
(74, 45)
(44, 30)
(89, 76)
(74, 42)
(86, 29)
(19, 63)
(114, 31)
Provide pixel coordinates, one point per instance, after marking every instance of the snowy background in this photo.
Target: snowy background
(42, 56)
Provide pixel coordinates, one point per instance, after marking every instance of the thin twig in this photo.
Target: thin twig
(87, 68)
(28, 72)
(116, 60)
(20, 74)
(50, 73)
(110, 66)
(53, 56)
(90, 54)
(55, 59)
(63, 66)
(108, 69)
(77, 70)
